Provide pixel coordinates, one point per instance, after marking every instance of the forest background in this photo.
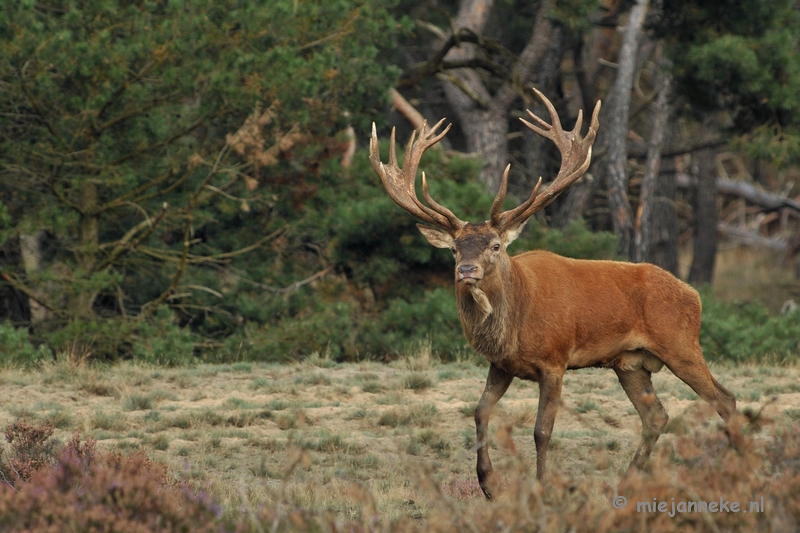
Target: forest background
(184, 181)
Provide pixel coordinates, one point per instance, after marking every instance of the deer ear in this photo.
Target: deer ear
(436, 237)
(514, 231)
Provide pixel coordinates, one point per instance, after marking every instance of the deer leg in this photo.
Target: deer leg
(549, 401)
(497, 384)
(639, 388)
(696, 374)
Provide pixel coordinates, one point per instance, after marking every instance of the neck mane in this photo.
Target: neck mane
(487, 312)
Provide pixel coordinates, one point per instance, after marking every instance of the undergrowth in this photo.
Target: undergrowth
(48, 487)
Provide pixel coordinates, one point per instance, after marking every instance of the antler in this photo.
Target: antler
(576, 154)
(400, 183)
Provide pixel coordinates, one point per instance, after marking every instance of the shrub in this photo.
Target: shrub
(747, 332)
(115, 494)
(161, 341)
(31, 449)
(16, 348)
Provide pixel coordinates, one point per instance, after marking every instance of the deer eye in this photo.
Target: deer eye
(452, 249)
(496, 247)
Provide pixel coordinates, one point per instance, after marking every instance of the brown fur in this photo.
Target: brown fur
(551, 313)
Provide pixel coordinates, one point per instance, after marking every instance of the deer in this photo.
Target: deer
(537, 314)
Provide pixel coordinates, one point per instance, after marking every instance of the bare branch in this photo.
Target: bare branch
(769, 201)
(128, 243)
(27, 291)
(466, 89)
(406, 109)
(286, 290)
(437, 63)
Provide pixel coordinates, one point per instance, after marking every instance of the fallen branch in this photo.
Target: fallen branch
(748, 191)
(751, 237)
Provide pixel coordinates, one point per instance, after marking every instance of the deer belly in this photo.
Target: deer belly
(637, 359)
(625, 355)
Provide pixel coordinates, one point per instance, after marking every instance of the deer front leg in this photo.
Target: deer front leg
(496, 385)
(549, 401)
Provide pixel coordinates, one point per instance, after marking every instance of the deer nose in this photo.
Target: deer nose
(467, 271)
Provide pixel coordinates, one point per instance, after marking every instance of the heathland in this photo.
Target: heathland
(393, 445)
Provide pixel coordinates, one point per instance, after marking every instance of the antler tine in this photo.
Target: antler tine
(576, 155)
(497, 204)
(409, 146)
(392, 148)
(400, 183)
(454, 221)
(548, 131)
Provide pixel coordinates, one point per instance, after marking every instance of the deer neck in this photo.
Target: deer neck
(486, 312)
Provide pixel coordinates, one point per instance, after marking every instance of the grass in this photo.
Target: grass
(421, 415)
(418, 381)
(271, 428)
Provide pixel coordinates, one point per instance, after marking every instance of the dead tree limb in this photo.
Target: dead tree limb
(750, 192)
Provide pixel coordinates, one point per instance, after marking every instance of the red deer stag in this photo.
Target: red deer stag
(537, 314)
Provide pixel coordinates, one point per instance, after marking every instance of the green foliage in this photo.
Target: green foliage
(742, 331)
(125, 123)
(576, 241)
(16, 348)
(161, 341)
(427, 319)
(741, 57)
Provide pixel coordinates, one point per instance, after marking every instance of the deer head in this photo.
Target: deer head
(479, 248)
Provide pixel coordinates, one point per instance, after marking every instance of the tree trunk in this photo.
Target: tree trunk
(663, 249)
(14, 304)
(588, 68)
(705, 219)
(30, 247)
(487, 134)
(88, 247)
(540, 154)
(644, 219)
(619, 206)
(483, 117)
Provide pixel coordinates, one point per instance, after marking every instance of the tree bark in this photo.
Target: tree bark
(484, 117)
(14, 303)
(30, 247)
(705, 219)
(588, 68)
(619, 206)
(663, 250)
(541, 156)
(88, 246)
(643, 236)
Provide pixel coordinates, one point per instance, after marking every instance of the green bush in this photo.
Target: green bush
(576, 241)
(161, 341)
(428, 319)
(739, 331)
(16, 348)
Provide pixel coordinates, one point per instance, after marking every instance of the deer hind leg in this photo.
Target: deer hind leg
(497, 384)
(694, 372)
(549, 401)
(639, 388)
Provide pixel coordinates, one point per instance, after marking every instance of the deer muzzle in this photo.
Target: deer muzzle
(469, 274)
